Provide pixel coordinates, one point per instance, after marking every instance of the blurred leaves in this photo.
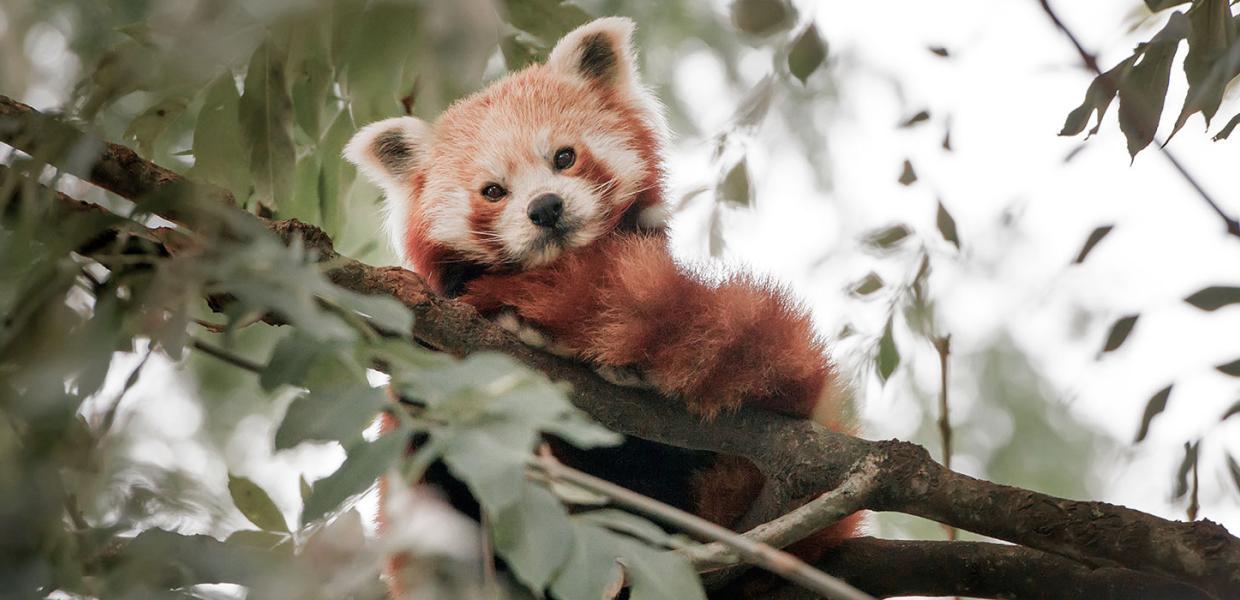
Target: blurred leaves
(888, 357)
(1153, 407)
(1232, 368)
(1119, 332)
(947, 225)
(761, 17)
(808, 52)
(887, 238)
(736, 188)
(1214, 297)
(1212, 63)
(266, 112)
(1095, 236)
(255, 504)
(907, 175)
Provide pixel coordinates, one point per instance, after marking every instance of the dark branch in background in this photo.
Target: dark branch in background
(1091, 63)
(802, 459)
(943, 346)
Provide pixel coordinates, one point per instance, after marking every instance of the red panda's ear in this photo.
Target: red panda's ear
(600, 51)
(389, 151)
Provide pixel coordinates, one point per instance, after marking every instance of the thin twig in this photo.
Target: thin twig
(810, 518)
(943, 346)
(776, 561)
(226, 356)
(1091, 62)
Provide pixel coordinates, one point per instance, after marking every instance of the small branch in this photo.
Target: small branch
(226, 356)
(1091, 63)
(776, 561)
(814, 516)
(943, 346)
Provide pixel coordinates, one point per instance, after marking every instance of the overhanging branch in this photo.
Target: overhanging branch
(800, 458)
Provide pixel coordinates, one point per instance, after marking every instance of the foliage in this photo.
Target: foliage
(1211, 31)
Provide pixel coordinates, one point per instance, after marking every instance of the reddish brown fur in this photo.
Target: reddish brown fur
(623, 301)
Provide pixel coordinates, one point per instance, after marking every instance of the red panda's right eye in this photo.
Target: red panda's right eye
(494, 192)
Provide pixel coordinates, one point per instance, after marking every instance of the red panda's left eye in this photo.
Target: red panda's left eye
(564, 158)
(494, 192)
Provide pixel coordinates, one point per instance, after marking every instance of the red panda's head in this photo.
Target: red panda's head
(545, 160)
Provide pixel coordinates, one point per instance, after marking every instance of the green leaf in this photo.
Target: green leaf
(888, 355)
(920, 117)
(331, 413)
(521, 50)
(867, 285)
(592, 570)
(1098, 99)
(1095, 236)
(757, 102)
(1225, 132)
(176, 560)
(1155, 406)
(1157, 5)
(907, 175)
(267, 119)
(1231, 411)
(293, 359)
(1234, 469)
(1119, 332)
(365, 462)
(1144, 91)
(261, 540)
(887, 238)
(255, 504)
(385, 312)
(808, 53)
(337, 175)
(1214, 297)
(761, 17)
(735, 188)
(219, 151)
(547, 20)
(533, 535)
(1187, 464)
(627, 523)
(146, 128)
(657, 575)
(1232, 368)
(947, 225)
(1210, 63)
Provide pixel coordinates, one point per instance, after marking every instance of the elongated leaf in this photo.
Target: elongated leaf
(867, 285)
(267, 117)
(219, 150)
(808, 53)
(534, 536)
(1098, 99)
(255, 504)
(1225, 132)
(592, 570)
(1187, 464)
(1144, 91)
(1231, 411)
(659, 575)
(761, 17)
(1234, 469)
(1232, 368)
(908, 176)
(145, 129)
(365, 462)
(735, 188)
(1157, 5)
(888, 355)
(1119, 332)
(1214, 297)
(920, 117)
(1095, 236)
(947, 225)
(1155, 406)
(887, 238)
(336, 413)
(1210, 64)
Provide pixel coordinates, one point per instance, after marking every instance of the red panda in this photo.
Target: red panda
(539, 200)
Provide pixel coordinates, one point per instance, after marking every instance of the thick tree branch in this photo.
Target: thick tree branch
(803, 459)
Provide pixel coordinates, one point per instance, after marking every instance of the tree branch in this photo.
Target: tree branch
(802, 459)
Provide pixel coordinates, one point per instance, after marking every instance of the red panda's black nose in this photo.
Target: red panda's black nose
(545, 210)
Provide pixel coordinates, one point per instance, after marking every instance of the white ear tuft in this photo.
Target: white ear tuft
(388, 152)
(600, 51)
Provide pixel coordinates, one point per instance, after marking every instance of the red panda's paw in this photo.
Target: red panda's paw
(628, 377)
(530, 335)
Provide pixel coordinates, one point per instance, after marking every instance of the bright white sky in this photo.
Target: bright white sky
(1010, 82)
